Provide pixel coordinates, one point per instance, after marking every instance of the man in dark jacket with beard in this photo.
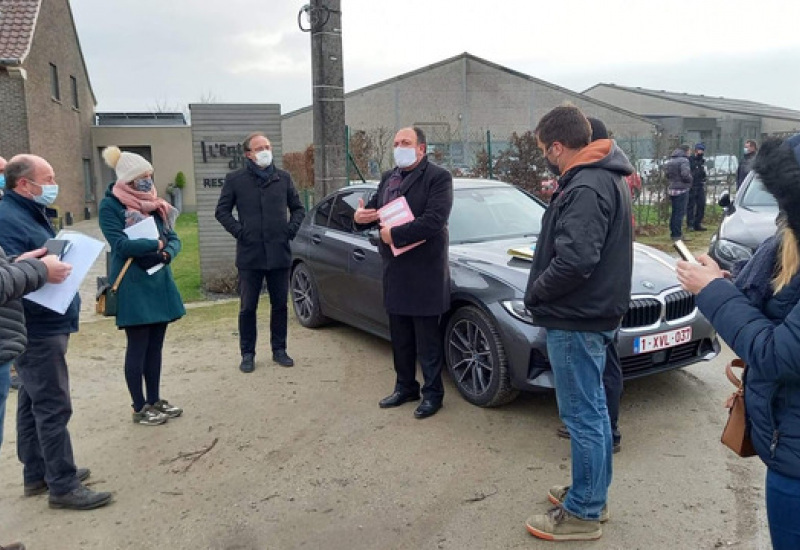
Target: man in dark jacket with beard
(262, 195)
(750, 152)
(579, 289)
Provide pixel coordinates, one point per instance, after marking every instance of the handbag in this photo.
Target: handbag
(736, 434)
(107, 295)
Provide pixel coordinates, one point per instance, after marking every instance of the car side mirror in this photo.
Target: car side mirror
(724, 200)
(374, 236)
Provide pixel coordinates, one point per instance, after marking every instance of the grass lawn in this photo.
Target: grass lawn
(186, 267)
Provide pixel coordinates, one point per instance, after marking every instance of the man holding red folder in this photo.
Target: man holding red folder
(416, 281)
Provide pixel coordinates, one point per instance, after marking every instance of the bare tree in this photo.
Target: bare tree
(382, 138)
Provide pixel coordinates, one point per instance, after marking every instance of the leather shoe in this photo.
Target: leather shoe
(700, 228)
(248, 363)
(81, 498)
(40, 487)
(13, 546)
(397, 399)
(427, 408)
(282, 358)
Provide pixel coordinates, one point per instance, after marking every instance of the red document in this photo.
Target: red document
(397, 213)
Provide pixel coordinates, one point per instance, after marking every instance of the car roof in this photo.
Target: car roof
(458, 183)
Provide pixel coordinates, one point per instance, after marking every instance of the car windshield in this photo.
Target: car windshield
(756, 195)
(493, 213)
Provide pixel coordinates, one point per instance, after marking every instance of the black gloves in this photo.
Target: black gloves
(149, 260)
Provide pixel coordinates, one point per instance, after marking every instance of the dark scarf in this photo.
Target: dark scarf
(393, 185)
(755, 278)
(263, 174)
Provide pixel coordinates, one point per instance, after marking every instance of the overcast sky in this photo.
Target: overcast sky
(146, 54)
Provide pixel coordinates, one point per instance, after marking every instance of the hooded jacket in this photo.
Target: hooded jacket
(16, 280)
(765, 333)
(580, 275)
(24, 226)
(678, 171)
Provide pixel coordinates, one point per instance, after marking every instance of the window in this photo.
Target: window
(343, 210)
(74, 86)
(323, 212)
(55, 91)
(88, 181)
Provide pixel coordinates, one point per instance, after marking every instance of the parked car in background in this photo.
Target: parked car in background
(749, 219)
(492, 348)
(721, 169)
(648, 168)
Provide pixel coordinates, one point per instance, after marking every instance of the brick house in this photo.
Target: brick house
(46, 100)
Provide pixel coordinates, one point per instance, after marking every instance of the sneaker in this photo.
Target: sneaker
(40, 487)
(148, 416)
(558, 524)
(171, 411)
(282, 358)
(81, 498)
(558, 493)
(700, 228)
(248, 363)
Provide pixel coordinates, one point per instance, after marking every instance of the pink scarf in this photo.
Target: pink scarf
(141, 204)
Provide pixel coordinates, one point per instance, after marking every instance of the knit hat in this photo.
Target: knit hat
(128, 166)
(778, 165)
(599, 130)
(701, 146)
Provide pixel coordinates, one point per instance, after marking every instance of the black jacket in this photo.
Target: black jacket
(744, 168)
(16, 280)
(262, 228)
(697, 165)
(417, 282)
(580, 276)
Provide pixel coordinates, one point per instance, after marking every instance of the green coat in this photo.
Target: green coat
(142, 299)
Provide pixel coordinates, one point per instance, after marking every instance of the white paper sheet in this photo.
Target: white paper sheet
(81, 255)
(145, 229)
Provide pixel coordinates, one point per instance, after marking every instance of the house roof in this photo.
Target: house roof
(17, 23)
(477, 59)
(724, 104)
(18, 20)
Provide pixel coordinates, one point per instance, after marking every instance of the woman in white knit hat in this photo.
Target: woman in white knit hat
(147, 301)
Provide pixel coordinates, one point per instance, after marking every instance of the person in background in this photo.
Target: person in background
(758, 316)
(262, 195)
(416, 283)
(19, 276)
(147, 298)
(679, 176)
(44, 406)
(696, 203)
(579, 289)
(750, 152)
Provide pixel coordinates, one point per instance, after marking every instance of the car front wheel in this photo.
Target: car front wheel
(476, 358)
(305, 298)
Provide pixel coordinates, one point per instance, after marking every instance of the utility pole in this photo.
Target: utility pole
(327, 67)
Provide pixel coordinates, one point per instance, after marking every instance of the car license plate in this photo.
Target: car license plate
(662, 340)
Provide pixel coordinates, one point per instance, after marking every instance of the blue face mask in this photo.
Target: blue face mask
(143, 184)
(2, 181)
(48, 196)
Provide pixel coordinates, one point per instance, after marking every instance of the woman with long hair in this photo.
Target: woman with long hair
(148, 299)
(759, 317)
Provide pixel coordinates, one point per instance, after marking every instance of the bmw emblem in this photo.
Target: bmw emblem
(648, 285)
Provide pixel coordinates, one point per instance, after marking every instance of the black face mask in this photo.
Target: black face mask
(554, 169)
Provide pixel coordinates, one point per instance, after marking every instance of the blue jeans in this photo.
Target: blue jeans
(678, 213)
(5, 384)
(578, 360)
(783, 511)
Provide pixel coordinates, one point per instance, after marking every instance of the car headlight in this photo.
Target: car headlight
(517, 309)
(731, 251)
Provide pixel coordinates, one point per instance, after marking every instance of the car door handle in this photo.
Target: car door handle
(359, 255)
(316, 238)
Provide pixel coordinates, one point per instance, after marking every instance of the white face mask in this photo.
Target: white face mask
(746, 150)
(264, 158)
(405, 156)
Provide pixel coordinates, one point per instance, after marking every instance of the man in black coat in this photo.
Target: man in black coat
(416, 282)
(696, 203)
(750, 152)
(262, 195)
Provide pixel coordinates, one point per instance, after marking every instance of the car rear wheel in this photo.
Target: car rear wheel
(305, 298)
(476, 358)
